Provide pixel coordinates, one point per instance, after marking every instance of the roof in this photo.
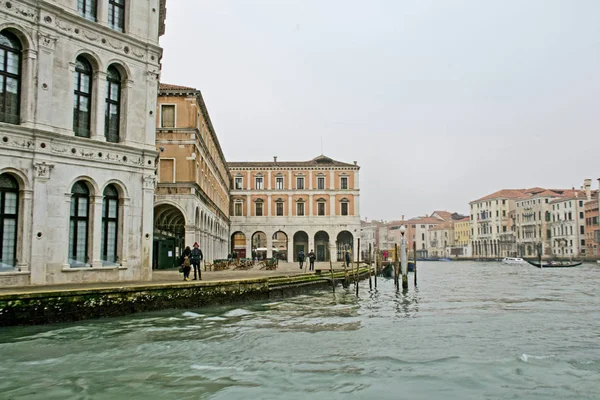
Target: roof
(441, 227)
(503, 194)
(321, 160)
(444, 214)
(521, 194)
(168, 86)
(425, 220)
(464, 219)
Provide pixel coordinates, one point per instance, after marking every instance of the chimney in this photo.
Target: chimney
(588, 188)
(275, 159)
(355, 162)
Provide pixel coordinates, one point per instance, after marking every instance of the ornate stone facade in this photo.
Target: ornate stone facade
(79, 145)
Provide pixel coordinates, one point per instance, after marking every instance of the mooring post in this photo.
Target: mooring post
(370, 268)
(376, 266)
(404, 262)
(357, 277)
(415, 258)
(331, 269)
(540, 254)
(396, 266)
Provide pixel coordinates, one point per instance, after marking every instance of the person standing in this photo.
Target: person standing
(311, 259)
(301, 258)
(197, 258)
(186, 263)
(347, 259)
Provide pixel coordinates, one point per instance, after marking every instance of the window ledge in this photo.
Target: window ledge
(78, 269)
(5, 273)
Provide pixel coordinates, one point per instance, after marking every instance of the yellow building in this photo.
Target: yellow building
(462, 237)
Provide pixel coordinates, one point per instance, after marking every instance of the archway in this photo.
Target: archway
(238, 244)
(322, 246)
(300, 243)
(280, 245)
(259, 245)
(169, 236)
(345, 242)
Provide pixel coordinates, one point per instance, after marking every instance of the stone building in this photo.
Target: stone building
(592, 228)
(78, 88)
(281, 207)
(192, 195)
(441, 239)
(567, 228)
(462, 238)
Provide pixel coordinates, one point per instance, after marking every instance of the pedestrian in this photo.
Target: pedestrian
(197, 258)
(253, 256)
(347, 258)
(385, 256)
(187, 266)
(301, 258)
(311, 258)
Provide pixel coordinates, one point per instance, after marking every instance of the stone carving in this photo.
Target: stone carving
(63, 27)
(48, 41)
(21, 10)
(42, 170)
(149, 182)
(24, 144)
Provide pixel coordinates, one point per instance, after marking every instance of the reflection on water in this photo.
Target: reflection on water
(485, 330)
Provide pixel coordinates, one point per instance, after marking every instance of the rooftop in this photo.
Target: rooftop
(319, 161)
(168, 86)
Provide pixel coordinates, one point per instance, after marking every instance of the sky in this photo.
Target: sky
(440, 102)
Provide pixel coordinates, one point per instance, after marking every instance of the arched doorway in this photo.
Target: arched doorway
(322, 246)
(280, 245)
(169, 236)
(238, 244)
(345, 242)
(259, 245)
(300, 243)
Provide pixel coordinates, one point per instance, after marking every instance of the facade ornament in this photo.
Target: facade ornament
(42, 170)
(149, 182)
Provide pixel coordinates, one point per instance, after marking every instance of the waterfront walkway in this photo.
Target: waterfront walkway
(173, 276)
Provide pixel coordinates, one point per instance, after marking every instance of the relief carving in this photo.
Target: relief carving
(48, 41)
(42, 170)
(149, 182)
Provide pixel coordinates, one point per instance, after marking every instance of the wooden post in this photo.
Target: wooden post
(415, 257)
(396, 266)
(346, 283)
(356, 277)
(403, 251)
(540, 254)
(376, 266)
(370, 269)
(331, 269)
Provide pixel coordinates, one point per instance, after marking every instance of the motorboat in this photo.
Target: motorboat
(513, 260)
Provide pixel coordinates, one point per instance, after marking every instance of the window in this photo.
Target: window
(581, 216)
(300, 183)
(83, 97)
(279, 183)
(259, 208)
(239, 183)
(344, 210)
(113, 105)
(344, 182)
(110, 220)
(259, 183)
(87, 9)
(237, 208)
(279, 208)
(300, 209)
(9, 203)
(78, 228)
(321, 208)
(10, 78)
(116, 14)
(582, 229)
(167, 116)
(321, 183)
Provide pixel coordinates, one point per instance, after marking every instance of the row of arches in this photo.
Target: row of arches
(287, 247)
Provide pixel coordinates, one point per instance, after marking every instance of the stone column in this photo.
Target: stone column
(331, 205)
(331, 180)
(95, 219)
(269, 201)
(147, 228)
(290, 205)
(248, 246)
(269, 245)
(25, 260)
(291, 250)
(123, 242)
(268, 185)
(98, 106)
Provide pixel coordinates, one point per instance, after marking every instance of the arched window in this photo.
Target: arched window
(10, 77)
(88, 9)
(83, 97)
(113, 105)
(79, 224)
(9, 203)
(110, 221)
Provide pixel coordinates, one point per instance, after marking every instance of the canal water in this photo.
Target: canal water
(470, 331)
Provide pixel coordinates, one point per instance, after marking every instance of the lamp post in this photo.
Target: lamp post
(403, 263)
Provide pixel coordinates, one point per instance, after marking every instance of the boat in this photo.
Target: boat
(388, 270)
(555, 264)
(513, 260)
(434, 259)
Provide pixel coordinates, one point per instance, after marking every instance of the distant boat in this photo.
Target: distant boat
(513, 260)
(555, 264)
(434, 259)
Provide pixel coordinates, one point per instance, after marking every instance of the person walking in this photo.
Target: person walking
(197, 258)
(301, 258)
(347, 259)
(311, 259)
(186, 263)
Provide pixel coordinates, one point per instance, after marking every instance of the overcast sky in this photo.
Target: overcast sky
(440, 102)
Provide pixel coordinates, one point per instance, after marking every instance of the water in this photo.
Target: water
(470, 331)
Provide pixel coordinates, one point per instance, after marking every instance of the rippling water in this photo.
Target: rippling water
(470, 331)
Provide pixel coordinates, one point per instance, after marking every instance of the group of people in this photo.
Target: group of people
(191, 258)
(311, 259)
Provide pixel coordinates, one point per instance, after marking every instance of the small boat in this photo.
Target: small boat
(513, 260)
(388, 270)
(555, 264)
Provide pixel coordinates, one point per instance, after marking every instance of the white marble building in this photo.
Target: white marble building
(77, 128)
(567, 228)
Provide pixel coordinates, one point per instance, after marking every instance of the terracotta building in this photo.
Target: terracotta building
(192, 194)
(281, 207)
(592, 228)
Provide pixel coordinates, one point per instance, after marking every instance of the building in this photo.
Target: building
(490, 218)
(567, 228)
(281, 207)
(592, 228)
(369, 235)
(441, 239)
(192, 194)
(77, 154)
(462, 238)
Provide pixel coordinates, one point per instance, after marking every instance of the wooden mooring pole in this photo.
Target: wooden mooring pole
(331, 269)
(376, 266)
(370, 269)
(396, 266)
(415, 257)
